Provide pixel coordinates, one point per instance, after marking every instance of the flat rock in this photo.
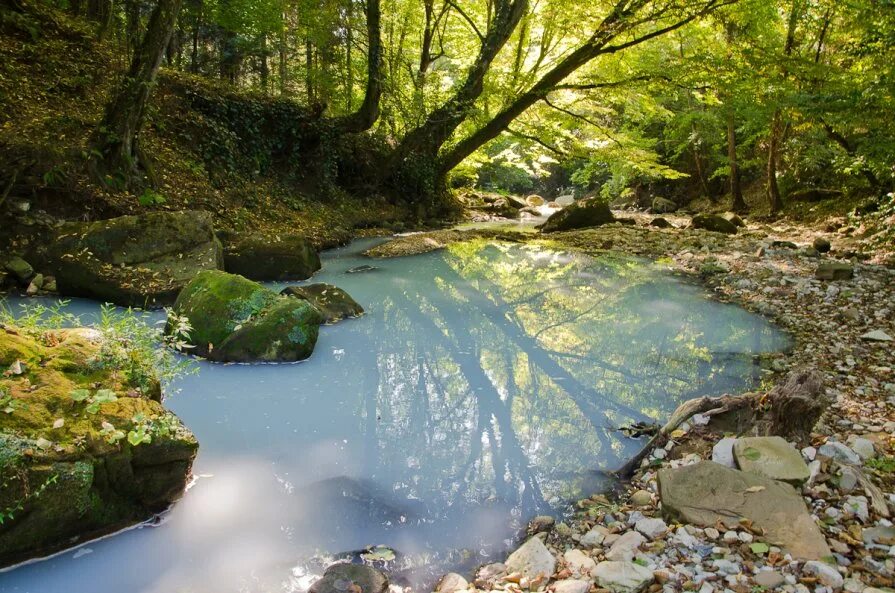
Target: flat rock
(651, 528)
(333, 303)
(571, 586)
(877, 335)
(579, 563)
(339, 578)
(451, 582)
(826, 574)
(705, 493)
(834, 271)
(771, 457)
(768, 579)
(863, 447)
(839, 452)
(626, 546)
(623, 577)
(594, 537)
(532, 559)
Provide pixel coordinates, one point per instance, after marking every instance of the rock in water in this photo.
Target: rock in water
(133, 261)
(713, 222)
(451, 583)
(623, 577)
(771, 457)
(535, 201)
(834, 271)
(64, 453)
(351, 578)
(705, 493)
(237, 320)
(333, 303)
(532, 559)
(581, 214)
(279, 257)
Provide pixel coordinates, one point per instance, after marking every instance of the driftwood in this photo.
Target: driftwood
(789, 410)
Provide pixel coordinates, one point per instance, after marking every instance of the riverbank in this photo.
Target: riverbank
(842, 329)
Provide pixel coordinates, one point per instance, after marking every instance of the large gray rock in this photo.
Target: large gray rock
(532, 559)
(333, 303)
(581, 214)
(713, 222)
(135, 261)
(351, 578)
(623, 577)
(277, 257)
(771, 457)
(705, 493)
(625, 548)
(834, 271)
(663, 206)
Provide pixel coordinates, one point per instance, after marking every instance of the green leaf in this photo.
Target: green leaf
(104, 396)
(752, 454)
(92, 408)
(759, 548)
(79, 395)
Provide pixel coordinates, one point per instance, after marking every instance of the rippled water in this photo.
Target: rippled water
(483, 387)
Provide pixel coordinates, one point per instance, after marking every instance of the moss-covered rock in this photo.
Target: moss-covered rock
(581, 214)
(237, 320)
(68, 472)
(139, 261)
(713, 222)
(333, 303)
(280, 257)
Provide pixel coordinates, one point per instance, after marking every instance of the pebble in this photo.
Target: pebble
(826, 574)
(651, 528)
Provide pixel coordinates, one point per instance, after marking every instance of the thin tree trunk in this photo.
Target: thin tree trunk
(367, 114)
(775, 201)
(309, 71)
(132, 26)
(116, 139)
(283, 57)
(736, 190)
(349, 41)
(194, 56)
(265, 68)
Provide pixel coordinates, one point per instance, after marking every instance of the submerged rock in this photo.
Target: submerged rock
(351, 578)
(138, 261)
(68, 469)
(237, 320)
(333, 303)
(713, 222)
(583, 213)
(705, 493)
(279, 257)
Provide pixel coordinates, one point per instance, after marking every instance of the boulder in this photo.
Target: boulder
(581, 214)
(705, 493)
(565, 201)
(237, 320)
(834, 271)
(333, 303)
(661, 223)
(821, 245)
(734, 219)
(134, 261)
(68, 464)
(713, 222)
(535, 201)
(771, 457)
(19, 269)
(626, 546)
(278, 257)
(451, 583)
(532, 559)
(516, 202)
(351, 578)
(623, 577)
(663, 206)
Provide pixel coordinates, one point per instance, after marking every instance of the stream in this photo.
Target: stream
(484, 386)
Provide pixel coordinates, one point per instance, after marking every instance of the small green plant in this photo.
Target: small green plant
(37, 319)
(9, 513)
(111, 434)
(884, 464)
(94, 400)
(150, 197)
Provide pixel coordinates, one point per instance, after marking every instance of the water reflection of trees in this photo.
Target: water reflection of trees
(519, 402)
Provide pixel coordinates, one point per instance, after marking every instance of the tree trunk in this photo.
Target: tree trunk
(116, 139)
(775, 202)
(349, 41)
(265, 68)
(132, 26)
(283, 57)
(367, 114)
(194, 55)
(309, 71)
(736, 190)
(100, 12)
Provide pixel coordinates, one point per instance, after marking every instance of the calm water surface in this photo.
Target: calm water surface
(484, 386)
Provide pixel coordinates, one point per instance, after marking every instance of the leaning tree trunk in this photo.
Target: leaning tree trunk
(367, 114)
(115, 143)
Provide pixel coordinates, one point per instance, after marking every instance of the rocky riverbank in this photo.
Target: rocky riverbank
(827, 530)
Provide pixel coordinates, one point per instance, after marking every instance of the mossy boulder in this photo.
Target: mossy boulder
(333, 303)
(68, 472)
(237, 320)
(713, 222)
(136, 261)
(581, 214)
(279, 257)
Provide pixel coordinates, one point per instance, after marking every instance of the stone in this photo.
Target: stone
(826, 574)
(821, 245)
(734, 219)
(348, 578)
(535, 201)
(848, 479)
(769, 579)
(651, 528)
(333, 303)
(663, 206)
(133, 261)
(714, 223)
(581, 214)
(237, 320)
(594, 537)
(540, 524)
(532, 559)
(277, 257)
(88, 487)
(641, 498)
(834, 271)
(451, 583)
(571, 586)
(771, 457)
(36, 285)
(705, 493)
(623, 577)
(839, 452)
(20, 269)
(625, 548)
(722, 452)
(565, 201)
(579, 563)
(863, 447)
(488, 573)
(877, 335)
(661, 223)
(882, 536)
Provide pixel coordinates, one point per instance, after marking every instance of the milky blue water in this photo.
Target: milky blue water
(484, 386)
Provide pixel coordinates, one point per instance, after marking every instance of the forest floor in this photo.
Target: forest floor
(842, 329)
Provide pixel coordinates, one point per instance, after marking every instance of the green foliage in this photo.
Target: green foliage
(150, 197)
(883, 464)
